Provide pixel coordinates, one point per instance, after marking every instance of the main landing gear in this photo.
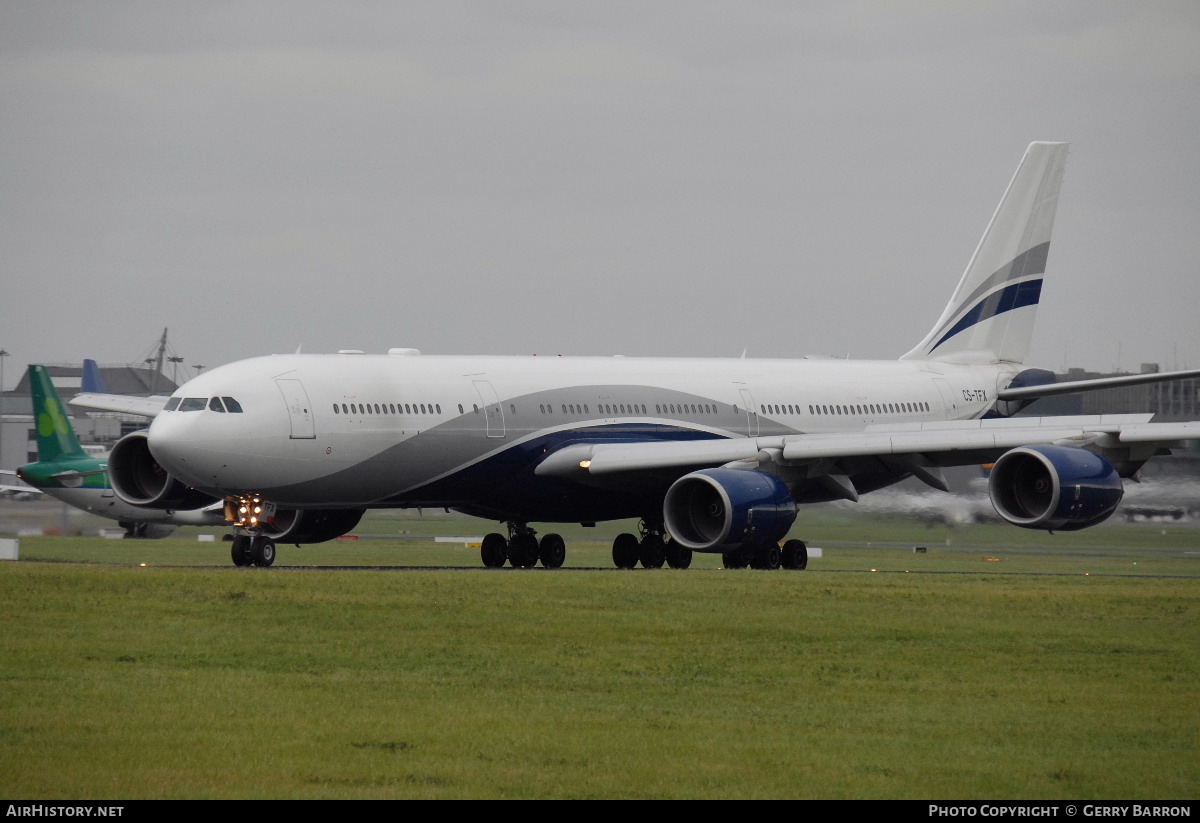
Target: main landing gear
(522, 549)
(770, 555)
(651, 550)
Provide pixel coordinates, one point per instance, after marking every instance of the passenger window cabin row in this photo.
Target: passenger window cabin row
(859, 409)
(388, 408)
(232, 406)
(822, 409)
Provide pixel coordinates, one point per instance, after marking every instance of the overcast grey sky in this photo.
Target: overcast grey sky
(639, 178)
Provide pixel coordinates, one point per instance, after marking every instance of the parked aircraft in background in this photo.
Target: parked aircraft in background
(714, 454)
(66, 471)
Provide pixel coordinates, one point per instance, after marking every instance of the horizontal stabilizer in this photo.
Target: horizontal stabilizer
(1029, 392)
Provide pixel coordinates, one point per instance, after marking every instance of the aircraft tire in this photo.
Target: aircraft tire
(552, 551)
(735, 559)
(263, 551)
(795, 555)
(766, 556)
(625, 551)
(240, 550)
(523, 551)
(678, 557)
(494, 550)
(651, 552)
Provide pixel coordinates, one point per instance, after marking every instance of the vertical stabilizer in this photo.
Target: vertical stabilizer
(990, 317)
(93, 380)
(55, 435)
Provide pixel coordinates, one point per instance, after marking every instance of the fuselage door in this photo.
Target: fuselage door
(751, 413)
(299, 409)
(492, 411)
(947, 394)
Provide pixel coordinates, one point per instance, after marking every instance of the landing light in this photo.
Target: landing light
(585, 464)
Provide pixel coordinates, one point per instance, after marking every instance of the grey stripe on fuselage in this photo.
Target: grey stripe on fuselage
(455, 445)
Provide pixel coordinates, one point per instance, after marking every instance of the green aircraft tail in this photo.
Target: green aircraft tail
(55, 436)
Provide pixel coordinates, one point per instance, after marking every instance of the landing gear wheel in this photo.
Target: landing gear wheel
(240, 551)
(795, 555)
(523, 551)
(735, 559)
(625, 551)
(766, 556)
(678, 557)
(494, 550)
(552, 551)
(651, 551)
(263, 551)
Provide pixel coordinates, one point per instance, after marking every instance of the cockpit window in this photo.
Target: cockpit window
(232, 406)
(193, 404)
(172, 404)
(216, 405)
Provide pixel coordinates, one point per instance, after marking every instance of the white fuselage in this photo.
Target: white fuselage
(396, 430)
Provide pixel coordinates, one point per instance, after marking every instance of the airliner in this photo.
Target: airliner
(68, 472)
(711, 455)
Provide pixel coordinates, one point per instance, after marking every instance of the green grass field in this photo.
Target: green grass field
(997, 664)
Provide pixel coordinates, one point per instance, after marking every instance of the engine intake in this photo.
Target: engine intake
(1055, 488)
(138, 479)
(718, 510)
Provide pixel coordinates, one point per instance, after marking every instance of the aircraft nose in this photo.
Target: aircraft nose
(177, 447)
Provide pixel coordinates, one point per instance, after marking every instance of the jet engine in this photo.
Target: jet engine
(719, 510)
(311, 525)
(1056, 488)
(137, 478)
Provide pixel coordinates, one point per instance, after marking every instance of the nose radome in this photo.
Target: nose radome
(174, 445)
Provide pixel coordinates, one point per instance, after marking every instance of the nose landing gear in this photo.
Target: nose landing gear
(247, 514)
(252, 549)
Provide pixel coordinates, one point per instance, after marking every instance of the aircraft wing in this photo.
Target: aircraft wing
(126, 404)
(916, 446)
(9, 488)
(6, 489)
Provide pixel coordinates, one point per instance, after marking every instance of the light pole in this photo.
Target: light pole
(3, 354)
(175, 369)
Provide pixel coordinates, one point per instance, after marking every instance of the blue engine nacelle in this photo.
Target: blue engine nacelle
(719, 510)
(1056, 488)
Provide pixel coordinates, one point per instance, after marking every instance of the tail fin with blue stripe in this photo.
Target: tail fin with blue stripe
(990, 317)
